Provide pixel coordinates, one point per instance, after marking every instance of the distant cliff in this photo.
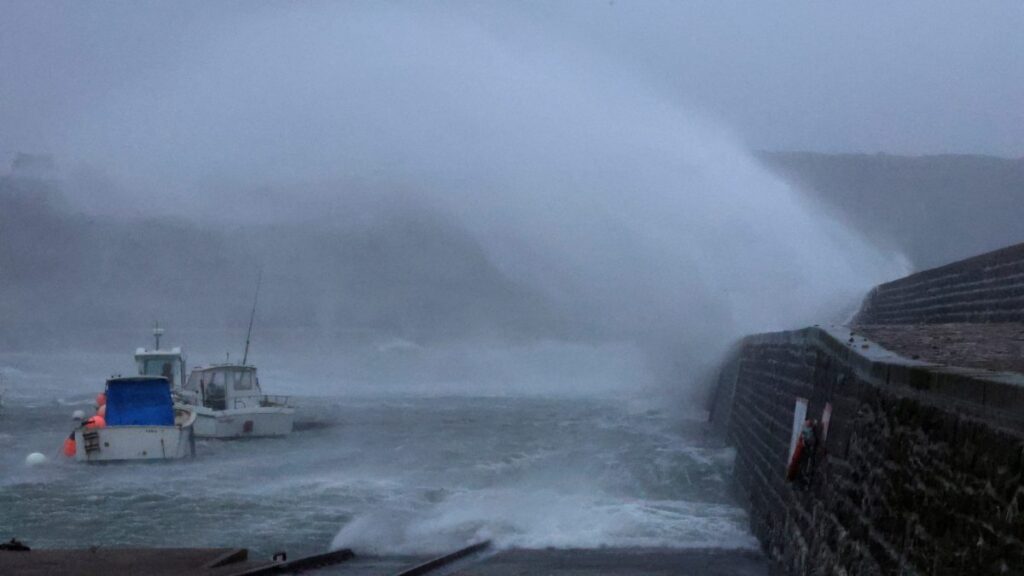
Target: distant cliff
(936, 209)
(68, 278)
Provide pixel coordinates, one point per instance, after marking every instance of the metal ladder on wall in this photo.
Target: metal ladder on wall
(92, 441)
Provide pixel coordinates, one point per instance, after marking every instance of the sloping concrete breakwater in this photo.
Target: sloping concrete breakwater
(921, 468)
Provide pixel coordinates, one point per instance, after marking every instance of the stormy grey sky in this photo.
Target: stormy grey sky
(583, 165)
(904, 77)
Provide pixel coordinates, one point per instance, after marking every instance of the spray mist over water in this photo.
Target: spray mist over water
(642, 222)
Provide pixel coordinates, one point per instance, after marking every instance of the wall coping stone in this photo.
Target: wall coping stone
(997, 398)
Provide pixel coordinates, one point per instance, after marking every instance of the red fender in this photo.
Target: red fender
(69, 447)
(96, 422)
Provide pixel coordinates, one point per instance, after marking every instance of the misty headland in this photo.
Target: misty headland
(388, 276)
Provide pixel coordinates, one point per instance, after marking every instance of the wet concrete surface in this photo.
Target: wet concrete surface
(99, 561)
(568, 562)
(621, 562)
(997, 347)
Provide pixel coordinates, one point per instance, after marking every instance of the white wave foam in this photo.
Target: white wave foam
(547, 519)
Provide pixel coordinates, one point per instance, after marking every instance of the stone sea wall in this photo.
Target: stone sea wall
(920, 472)
(985, 289)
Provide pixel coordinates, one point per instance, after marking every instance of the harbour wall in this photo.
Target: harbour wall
(921, 468)
(984, 289)
(920, 471)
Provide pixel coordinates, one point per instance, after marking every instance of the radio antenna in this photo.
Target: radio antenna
(157, 333)
(252, 316)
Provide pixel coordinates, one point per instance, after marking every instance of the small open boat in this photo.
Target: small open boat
(141, 423)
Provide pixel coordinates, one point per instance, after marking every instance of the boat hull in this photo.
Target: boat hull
(123, 443)
(244, 422)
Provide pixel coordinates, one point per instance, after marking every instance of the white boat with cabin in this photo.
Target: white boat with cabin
(226, 398)
(141, 423)
(229, 403)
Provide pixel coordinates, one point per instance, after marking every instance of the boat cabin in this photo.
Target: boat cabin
(167, 363)
(226, 386)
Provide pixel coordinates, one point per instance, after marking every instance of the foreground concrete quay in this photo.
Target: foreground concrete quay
(127, 561)
(234, 562)
(622, 562)
(97, 561)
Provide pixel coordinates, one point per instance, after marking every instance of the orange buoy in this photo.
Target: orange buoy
(101, 399)
(96, 422)
(69, 446)
(102, 411)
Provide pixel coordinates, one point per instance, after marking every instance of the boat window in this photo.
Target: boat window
(165, 367)
(152, 367)
(215, 380)
(167, 371)
(243, 380)
(193, 381)
(215, 391)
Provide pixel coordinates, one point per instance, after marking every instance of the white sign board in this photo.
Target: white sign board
(799, 415)
(826, 417)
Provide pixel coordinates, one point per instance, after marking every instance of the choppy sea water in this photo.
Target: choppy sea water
(387, 475)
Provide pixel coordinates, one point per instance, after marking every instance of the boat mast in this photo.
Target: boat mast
(157, 333)
(252, 316)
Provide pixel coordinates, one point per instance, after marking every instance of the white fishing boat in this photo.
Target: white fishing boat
(141, 422)
(228, 399)
(229, 403)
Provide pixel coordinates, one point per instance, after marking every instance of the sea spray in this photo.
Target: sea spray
(624, 216)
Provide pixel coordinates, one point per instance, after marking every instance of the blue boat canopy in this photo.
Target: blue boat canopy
(139, 401)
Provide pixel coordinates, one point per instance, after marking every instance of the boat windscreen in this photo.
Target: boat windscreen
(242, 380)
(160, 366)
